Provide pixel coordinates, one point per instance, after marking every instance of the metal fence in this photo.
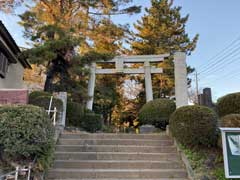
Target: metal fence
(19, 172)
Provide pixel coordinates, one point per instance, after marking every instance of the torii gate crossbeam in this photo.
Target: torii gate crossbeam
(147, 70)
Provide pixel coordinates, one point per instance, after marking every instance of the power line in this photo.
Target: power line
(218, 68)
(220, 53)
(225, 76)
(216, 64)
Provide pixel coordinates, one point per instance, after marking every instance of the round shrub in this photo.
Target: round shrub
(157, 112)
(25, 132)
(194, 125)
(43, 101)
(33, 95)
(75, 114)
(229, 104)
(92, 122)
(231, 120)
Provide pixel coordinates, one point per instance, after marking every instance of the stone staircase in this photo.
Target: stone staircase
(116, 156)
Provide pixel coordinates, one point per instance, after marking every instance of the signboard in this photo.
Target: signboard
(13, 96)
(231, 151)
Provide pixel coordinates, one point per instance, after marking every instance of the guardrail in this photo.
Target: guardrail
(54, 116)
(26, 171)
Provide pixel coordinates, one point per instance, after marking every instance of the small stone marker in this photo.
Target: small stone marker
(147, 129)
(13, 96)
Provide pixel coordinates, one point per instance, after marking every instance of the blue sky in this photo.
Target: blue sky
(218, 24)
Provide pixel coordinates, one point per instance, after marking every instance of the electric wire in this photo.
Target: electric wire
(218, 68)
(220, 53)
(220, 61)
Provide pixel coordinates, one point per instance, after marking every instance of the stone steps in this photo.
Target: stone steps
(136, 142)
(116, 148)
(68, 135)
(117, 164)
(116, 157)
(118, 173)
(128, 179)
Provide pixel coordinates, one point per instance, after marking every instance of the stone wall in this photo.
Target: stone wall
(11, 96)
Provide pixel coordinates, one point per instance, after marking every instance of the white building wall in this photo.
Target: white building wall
(14, 77)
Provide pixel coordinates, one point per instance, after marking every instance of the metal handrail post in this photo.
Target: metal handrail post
(54, 116)
(29, 172)
(50, 105)
(16, 174)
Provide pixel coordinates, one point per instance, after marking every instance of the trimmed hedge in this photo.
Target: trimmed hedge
(25, 132)
(157, 112)
(79, 116)
(194, 126)
(231, 120)
(92, 122)
(35, 94)
(229, 104)
(42, 99)
(75, 114)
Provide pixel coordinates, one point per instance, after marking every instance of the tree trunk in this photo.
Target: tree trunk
(49, 79)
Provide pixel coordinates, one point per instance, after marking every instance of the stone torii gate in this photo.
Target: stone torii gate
(180, 71)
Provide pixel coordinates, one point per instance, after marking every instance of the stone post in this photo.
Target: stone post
(180, 70)
(63, 97)
(91, 86)
(148, 81)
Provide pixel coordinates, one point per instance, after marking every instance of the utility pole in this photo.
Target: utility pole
(197, 91)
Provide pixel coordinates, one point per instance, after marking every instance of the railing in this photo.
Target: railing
(19, 172)
(54, 111)
(54, 116)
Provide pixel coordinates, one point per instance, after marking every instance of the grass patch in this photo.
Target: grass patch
(207, 163)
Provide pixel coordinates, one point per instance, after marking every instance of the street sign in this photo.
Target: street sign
(231, 151)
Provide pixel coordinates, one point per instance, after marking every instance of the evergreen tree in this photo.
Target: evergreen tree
(162, 30)
(56, 28)
(8, 6)
(66, 68)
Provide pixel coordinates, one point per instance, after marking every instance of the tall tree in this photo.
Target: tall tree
(162, 30)
(7, 6)
(56, 28)
(66, 69)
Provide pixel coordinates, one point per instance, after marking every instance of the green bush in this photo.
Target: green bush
(194, 125)
(231, 120)
(75, 114)
(43, 101)
(92, 122)
(35, 94)
(79, 116)
(157, 112)
(25, 132)
(229, 104)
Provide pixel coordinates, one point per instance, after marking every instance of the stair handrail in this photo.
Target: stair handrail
(50, 105)
(54, 116)
(15, 174)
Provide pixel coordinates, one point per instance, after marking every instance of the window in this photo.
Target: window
(3, 65)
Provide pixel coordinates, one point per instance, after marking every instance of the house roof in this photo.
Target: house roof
(8, 39)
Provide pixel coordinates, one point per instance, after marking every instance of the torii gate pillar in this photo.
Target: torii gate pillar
(180, 71)
(91, 86)
(148, 81)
